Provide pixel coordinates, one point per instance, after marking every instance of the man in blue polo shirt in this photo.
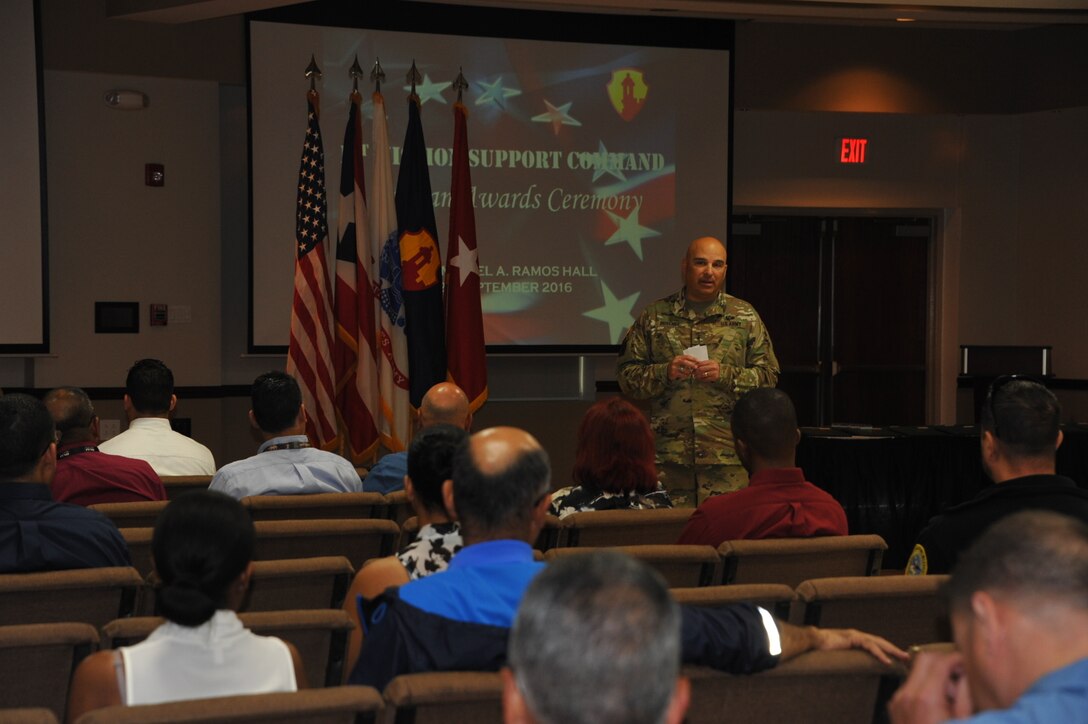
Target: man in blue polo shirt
(1019, 607)
(460, 619)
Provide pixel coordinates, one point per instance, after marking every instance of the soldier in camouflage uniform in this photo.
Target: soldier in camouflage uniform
(692, 400)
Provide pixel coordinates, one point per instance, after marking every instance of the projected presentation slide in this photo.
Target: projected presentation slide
(593, 166)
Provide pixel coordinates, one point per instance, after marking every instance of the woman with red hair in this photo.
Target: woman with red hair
(614, 464)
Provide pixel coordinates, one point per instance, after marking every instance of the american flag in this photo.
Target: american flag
(309, 356)
(396, 416)
(356, 340)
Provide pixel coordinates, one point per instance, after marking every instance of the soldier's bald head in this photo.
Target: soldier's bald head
(499, 476)
(705, 245)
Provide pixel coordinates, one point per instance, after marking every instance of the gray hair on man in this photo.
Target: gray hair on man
(596, 641)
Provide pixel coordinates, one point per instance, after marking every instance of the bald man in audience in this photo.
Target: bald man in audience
(1019, 606)
(36, 532)
(459, 620)
(778, 502)
(444, 404)
(86, 476)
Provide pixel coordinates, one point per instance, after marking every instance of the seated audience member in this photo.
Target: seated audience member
(459, 619)
(443, 404)
(203, 549)
(149, 400)
(37, 533)
(86, 476)
(1019, 606)
(596, 641)
(285, 463)
(613, 463)
(778, 502)
(1020, 424)
(430, 463)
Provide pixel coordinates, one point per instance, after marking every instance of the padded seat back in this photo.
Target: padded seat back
(319, 505)
(448, 697)
(906, 610)
(792, 560)
(356, 540)
(37, 661)
(607, 528)
(89, 595)
(679, 565)
(774, 597)
(140, 514)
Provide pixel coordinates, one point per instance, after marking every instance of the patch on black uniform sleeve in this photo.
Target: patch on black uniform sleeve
(917, 564)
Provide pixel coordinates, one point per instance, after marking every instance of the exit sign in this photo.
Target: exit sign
(852, 150)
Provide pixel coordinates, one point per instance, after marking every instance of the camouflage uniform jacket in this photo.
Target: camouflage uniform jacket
(691, 419)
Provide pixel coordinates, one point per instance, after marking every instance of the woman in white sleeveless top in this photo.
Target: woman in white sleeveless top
(203, 546)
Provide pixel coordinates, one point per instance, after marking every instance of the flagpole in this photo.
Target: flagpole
(309, 354)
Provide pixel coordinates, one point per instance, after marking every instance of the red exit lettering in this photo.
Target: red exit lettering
(853, 150)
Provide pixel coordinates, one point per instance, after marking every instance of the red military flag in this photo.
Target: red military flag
(355, 345)
(395, 422)
(309, 355)
(466, 360)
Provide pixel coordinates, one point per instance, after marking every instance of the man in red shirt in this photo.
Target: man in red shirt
(778, 502)
(86, 476)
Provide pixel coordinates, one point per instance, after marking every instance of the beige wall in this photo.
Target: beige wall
(111, 238)
(959, 123)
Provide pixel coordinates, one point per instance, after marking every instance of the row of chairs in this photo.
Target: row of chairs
(820, 686)
(786, 560)
(98, 595)
(393, 506)
(358, 540)
(37, 660)
(906, 610)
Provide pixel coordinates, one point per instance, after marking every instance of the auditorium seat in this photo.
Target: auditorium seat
(89, 595)
(792, 560)
(679, 565)
(299, 583)
(37, 661)
(606, 528)
(397, 507)
(321, 637)
(177, 484)
(139, 549)
(906, 610)
(31, 715)
(139, 514)
(774, 597)
(448, 697)
(335, 705)
(318, 505)
(356, 540)
(819, 686)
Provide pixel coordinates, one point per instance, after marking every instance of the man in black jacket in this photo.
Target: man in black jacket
(1021, 433)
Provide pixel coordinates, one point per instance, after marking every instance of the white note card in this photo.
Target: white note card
(698, 352)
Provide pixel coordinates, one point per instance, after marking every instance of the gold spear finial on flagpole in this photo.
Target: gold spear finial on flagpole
(313, 73)
(356, 72)
(377, 75)
(414, 78)
(459, 83)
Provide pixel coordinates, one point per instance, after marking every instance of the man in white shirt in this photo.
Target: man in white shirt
(149, 400)
(285, 463)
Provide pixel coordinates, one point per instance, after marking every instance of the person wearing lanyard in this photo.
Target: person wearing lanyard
(86, 476)
(285, 463)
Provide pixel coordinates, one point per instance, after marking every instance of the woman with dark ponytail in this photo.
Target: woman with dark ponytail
(203, 550)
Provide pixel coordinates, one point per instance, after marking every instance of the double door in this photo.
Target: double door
(845, 300)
